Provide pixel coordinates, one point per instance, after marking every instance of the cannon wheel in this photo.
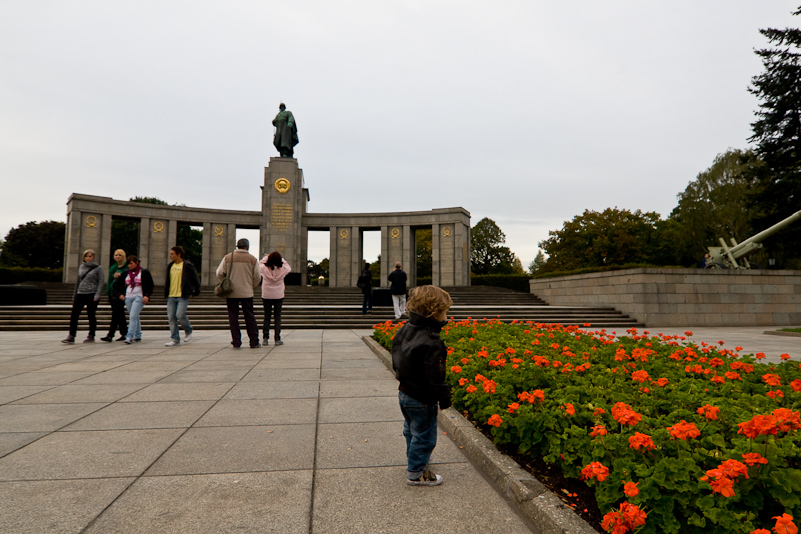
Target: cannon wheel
(715, 265)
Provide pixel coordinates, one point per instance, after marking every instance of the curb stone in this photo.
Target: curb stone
(536, 502)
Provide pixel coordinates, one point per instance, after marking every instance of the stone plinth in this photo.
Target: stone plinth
(283, 205)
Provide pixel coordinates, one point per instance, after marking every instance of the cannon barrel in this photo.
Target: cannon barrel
(764, 234)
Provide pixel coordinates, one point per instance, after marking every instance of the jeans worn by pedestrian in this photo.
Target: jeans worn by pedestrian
(399, 304)
(252, 328)
(367, 303)
(176, 314)
(117, 318)
(78, 303)
(134, 305)
(269, 306)
(420, 431)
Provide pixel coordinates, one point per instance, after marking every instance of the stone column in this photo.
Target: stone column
(206, 274)
(409, 255)
(219, 244)
(144, 240)
(157, 252)
(343, 257)
(447, 269)
(356, 255)
(385, 260)
(333, 239)
(104, 254)
(436, 265)
(283, 203)
(461, 254)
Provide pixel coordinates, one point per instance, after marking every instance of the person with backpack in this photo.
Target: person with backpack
(88, 288)
(365, 283)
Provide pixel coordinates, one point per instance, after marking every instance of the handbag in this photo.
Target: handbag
(225, 286)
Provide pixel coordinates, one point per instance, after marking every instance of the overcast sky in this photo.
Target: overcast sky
(527, 112)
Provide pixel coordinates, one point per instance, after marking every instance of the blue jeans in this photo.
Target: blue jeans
(367, 303)
(420, 431)
(134, 305)
(176, 313)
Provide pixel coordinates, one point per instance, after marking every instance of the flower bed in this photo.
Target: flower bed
(674, 436)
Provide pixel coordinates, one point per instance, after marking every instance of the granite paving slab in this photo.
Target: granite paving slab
(375, 373)
(43, 417)
(43, 378)
(376, 500)
(359, 388)
(13, 393)
(55, 506)
(239, 449)
(359, 409)
(93, 454)
(274, 390)
(181, 392)
(276, 501)
(362, 363)
(125, 377)
(281, 375)
(140, 415)
(77, 393)
(230, 375)
(260, 412)
(11, 441)
(289, 363)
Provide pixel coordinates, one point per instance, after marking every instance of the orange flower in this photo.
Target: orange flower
(489, 386)
(456, 369)
(570, 409)
(787, 420)
(513, 407)
(684, 430)
(732, 375)
(760, 531)
(708, 411)
(470, 388)
(480, 378)
(627, 518)
(640, 376)
(531, 397)
(465, 361)
(724, 486)
(774, 394)
(796, 385)
(495, 420)
(662, 382)
(463, 381)
(753, 458)
(598, 411)
(595, 470)
(772, 380)
(598, 430)
(641, 441)
(624, 415)
(630, 489)
(785, 356)
(785, 525)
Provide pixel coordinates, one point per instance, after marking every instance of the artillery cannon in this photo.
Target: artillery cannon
(734, 257)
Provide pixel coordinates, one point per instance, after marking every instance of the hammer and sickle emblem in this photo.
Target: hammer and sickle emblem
(343, 234)
(395, 233)
(158, 226)
(282, 185)
(91, 221)
(446, 231)
(218, 231)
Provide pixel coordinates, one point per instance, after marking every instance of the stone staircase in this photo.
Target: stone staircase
(314, 307)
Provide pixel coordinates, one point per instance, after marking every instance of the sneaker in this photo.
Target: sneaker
(279, 342)
(68, 339)
(187, 338)
(428, 478)
(256, 346)
(122, 338)
(89, 339)
(265, 341)
(235, 346)
(172, 343)
(137, 340)
(107, 339)
(128, 341)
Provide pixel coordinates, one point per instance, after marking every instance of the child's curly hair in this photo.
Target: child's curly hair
(429, 301)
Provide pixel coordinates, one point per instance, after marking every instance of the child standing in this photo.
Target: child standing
(418, 358)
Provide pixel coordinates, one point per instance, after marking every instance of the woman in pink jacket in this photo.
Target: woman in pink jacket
(273, 270)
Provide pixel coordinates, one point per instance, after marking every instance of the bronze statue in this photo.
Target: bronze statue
(286, 132)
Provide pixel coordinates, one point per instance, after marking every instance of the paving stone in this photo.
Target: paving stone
(375, 373)
(43, 417)
(212, 504)
(76, 393)
(43, 378)
(281, 375)
(13, 393)
(359, 409)
(11, 441)
(140, 415)
(239, 449)
(55, 506)
(231, 375)
(359, 388)
(260, 412)
(274, 390)
(180, 392)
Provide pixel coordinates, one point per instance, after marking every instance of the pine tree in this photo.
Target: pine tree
(776, 186)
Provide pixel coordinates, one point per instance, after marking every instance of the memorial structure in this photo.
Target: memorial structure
(283, 222)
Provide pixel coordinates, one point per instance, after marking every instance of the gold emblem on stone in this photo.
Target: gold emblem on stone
(446, 231)
(395, 233)
(158, 226)
(343, 234)
(282, 185)
(218, 231)
(91, 221)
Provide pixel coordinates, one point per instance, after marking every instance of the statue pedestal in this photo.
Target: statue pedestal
(284, 201)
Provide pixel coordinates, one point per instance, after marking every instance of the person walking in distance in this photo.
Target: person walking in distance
(118, 268)
(182, 284)
(418, 358)
(88, 288)
(365, 283)
(397, 286)
(273, 270)
(135, 289)
(243, 270)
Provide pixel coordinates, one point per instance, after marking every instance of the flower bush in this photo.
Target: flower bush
(673, 436)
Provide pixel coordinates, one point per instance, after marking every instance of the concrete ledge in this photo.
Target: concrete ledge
(780, 333)
(546, 511)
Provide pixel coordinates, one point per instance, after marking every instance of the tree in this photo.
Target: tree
(316, 270)
(537, 263)
(715, 204)
(611, 237)
(191, 240)
(488, 255)
(35, 244)
(776, 187)
(150, 200)
(424, 260)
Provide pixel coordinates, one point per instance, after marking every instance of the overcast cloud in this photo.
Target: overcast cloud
(522, 111)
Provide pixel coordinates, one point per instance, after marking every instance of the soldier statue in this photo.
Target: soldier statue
(286, 132)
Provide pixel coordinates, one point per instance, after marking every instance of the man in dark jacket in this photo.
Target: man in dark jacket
(397, 286)
(418, 358)
(182, 284)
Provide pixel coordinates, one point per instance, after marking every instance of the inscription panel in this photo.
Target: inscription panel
(281, 216)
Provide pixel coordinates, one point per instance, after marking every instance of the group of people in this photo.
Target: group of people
(397, 287)
(129, 286)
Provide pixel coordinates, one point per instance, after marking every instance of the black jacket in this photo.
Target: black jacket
(397, 282)
(418, 358)
(147, 285)
(365, 282)
(190, 282)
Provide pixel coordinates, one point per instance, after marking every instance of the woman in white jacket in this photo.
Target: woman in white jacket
(273, 270)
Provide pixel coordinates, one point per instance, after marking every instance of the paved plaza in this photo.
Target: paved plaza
(203, 438)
